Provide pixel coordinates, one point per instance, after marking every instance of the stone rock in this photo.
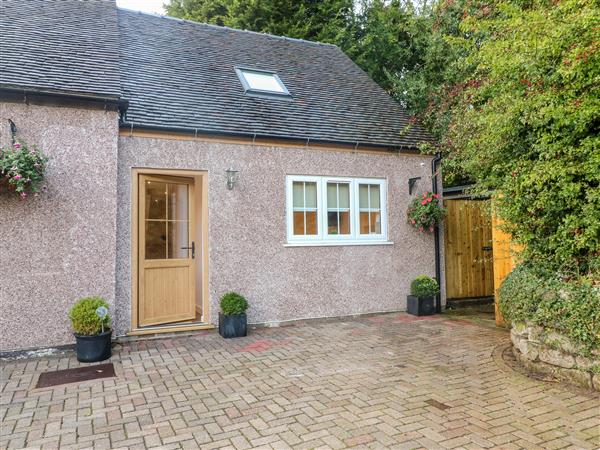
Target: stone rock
(575, 376)
(556, 358)
(521, 329)
(536, 333)
(555, 339)
(515, 337)
(596, 382)
(528, 349)
(586, 363)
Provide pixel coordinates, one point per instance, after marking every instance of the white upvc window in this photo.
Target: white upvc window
(335, 210)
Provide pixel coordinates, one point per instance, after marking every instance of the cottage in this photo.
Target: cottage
(188, 160)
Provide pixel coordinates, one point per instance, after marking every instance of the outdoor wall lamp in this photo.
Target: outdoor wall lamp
(231, 178)
(411, 184)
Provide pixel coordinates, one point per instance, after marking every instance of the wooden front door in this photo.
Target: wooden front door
(166, 249)
(468, 249)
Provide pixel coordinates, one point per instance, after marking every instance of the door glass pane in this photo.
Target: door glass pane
(156, 239)
(344, 195)
(374, 196)
(363, 196)
(310, 195)
(298, 188)
(178, 201)
(156, 200)
(178, 238)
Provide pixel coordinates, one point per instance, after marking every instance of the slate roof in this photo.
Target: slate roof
(60, 46)
(179, 75)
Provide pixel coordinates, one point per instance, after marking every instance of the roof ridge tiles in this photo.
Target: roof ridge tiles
(226, 28)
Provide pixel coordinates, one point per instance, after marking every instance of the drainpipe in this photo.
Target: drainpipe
(438, 271)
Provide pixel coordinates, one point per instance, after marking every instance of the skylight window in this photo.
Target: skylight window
(260, 82)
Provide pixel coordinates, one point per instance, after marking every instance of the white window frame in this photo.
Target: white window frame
(322, 238)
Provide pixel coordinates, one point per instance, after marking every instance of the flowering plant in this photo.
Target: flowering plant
(426, 212)
(22, 168)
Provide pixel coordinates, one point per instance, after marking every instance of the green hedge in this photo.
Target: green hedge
(540, 297)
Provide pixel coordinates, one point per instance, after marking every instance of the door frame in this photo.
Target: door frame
(200, 183)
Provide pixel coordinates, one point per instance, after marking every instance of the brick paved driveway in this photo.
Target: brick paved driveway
(384, 381)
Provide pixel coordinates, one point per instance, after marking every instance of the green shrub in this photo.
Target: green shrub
(84, 319)
(233, 303)
(544, 298)
(424, 286)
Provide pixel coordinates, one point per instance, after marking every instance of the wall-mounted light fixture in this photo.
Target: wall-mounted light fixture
(231, 178)
(411, 184)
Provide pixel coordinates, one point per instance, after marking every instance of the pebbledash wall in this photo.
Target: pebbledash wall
(247, 230)
(75, 240)
(60, 246)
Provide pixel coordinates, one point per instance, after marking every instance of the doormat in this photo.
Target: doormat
(77, 375)
(436, 404)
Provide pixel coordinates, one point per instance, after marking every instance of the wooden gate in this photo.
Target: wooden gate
(468, 249)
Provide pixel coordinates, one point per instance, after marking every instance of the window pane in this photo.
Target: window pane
(156, 239)
(375, 223)
(156, 200)
(374, 196)
(310, 195)
(178, 201)
(332, 195)
(262, 81)
(363, 194)
(178, 237)
(364, 223)
(345, 222)
(298, 222)
(298, 188)
(332, 222)
(311, 223)
(344, 195)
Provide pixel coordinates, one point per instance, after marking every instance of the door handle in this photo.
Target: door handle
(487, 248)
(192, 248)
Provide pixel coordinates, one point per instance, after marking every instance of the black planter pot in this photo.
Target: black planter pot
(93, 348)
(420, 306)
(233, 326)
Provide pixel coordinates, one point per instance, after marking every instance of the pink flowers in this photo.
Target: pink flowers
(16, 146)
(17, 177)
(425, 212)
(23, 195)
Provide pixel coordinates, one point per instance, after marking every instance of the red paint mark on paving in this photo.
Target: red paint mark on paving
(359, 440)
(407, 318)
(264, 345)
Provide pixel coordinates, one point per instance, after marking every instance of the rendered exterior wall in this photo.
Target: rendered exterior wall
(247, 230)
(60, 246)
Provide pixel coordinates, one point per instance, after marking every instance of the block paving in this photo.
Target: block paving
(385, 381)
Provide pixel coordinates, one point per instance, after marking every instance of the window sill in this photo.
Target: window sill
(335, 244)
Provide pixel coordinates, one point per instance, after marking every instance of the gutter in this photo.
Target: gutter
(438, 270)
(32, 95)
(124, 125)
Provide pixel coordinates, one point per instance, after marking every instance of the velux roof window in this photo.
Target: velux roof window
(262, 83)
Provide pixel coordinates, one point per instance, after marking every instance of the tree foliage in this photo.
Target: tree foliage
(527, 121)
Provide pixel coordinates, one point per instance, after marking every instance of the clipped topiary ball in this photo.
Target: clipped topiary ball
(424, 286)
(233, 303)
(84, 319)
